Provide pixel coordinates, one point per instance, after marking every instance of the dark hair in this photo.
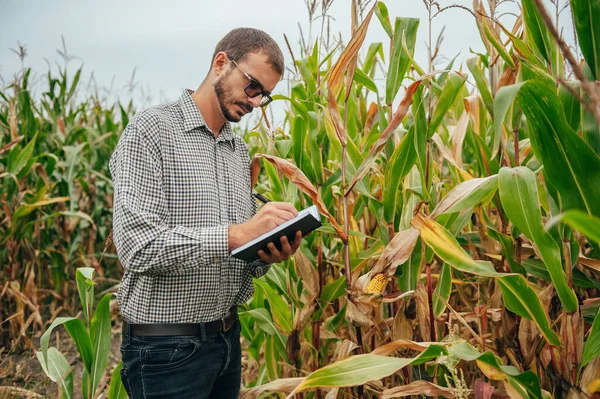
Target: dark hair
(243, 41)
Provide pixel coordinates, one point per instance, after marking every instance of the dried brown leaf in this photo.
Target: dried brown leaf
(334, 81)
(343, 350)
(590, 379)
(458, 136)
(357, 315)
(307, 273)
(396, 252)
(371, 115)
(8, 146)
(593, 264)
(472, 108)
(483, 390)
(509, 76)
(280, 385)
(336, 118)
(298, 177)
(418, 388)
(391, 347)
(423, 310)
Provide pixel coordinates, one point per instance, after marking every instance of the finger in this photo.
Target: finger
(285, 214)
(274, 251)
(286, 249)
(297, 241)
(262, 255)
(285, 206)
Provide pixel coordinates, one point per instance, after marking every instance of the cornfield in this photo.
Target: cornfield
(461, 253)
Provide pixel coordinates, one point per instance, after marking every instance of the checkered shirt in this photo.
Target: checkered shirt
(176, 190)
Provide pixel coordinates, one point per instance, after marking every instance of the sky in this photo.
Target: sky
(170, 45)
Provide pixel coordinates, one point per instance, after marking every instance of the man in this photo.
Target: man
(182, 203)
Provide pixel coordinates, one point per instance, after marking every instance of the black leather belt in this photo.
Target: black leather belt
(174, 329)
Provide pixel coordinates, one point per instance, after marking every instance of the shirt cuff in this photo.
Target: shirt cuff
(215, 243)
(259, 268)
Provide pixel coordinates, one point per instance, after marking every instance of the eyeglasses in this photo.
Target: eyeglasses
(253, 88)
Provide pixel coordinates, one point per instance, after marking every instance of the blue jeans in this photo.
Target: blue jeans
(183, 366)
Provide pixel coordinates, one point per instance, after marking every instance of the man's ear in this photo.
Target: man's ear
(220, 62)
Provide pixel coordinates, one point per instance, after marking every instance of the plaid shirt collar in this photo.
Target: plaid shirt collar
(192, 118)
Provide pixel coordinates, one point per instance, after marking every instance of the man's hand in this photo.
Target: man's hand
(287, 249)
(271, 215)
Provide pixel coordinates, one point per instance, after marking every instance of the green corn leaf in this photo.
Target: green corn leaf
(502, 104)
(282, 315)
(22, 157)
(536, 29)
(591, 348)
(586, 14)
(100, 332)
(570, 164)
(400, 61)
(442, 290)
(450, 92)
(520, 200)
(495, 41)
(400, 164)
(384, 17)
(116, 389)
(521, 299)
(586, 224)
(360, 369)
(78, 333)
(467, 195)
(333, 290)
(55, 366)
(482, 85)
(85, 286)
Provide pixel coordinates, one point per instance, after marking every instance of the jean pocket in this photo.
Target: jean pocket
(169, 357)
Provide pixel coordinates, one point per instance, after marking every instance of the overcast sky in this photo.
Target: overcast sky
(170, 43)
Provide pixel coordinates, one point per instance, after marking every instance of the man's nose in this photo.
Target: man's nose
(255, 101)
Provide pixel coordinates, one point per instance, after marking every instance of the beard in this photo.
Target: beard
(226, 100)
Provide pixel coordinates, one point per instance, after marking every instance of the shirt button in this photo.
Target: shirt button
(217, 260)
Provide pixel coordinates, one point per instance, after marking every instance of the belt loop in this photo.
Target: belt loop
(203, 331)
(127, 332)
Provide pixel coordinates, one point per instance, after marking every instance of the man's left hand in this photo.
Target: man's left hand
(287, 250)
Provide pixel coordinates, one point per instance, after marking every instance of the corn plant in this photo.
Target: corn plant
(468, 216)
(461, 255)
(92, 335)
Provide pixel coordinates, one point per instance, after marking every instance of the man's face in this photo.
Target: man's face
(229, 87)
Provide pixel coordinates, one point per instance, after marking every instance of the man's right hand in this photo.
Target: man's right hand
(271, 215)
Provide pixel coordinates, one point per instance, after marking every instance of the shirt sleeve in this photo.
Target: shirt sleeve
(257, 268)
(145, 243)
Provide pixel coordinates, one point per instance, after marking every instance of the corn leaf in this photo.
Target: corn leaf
(450, 91)
(467, 195)
(537, 32)
(586, 224)
(400, 164)
(56, 367)
(591, 349)
(519, 196)
(400, 60)
(360, 369)
(570, 164)
(77, 331)
(100, 334)
(586, 14)
(521, 299)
